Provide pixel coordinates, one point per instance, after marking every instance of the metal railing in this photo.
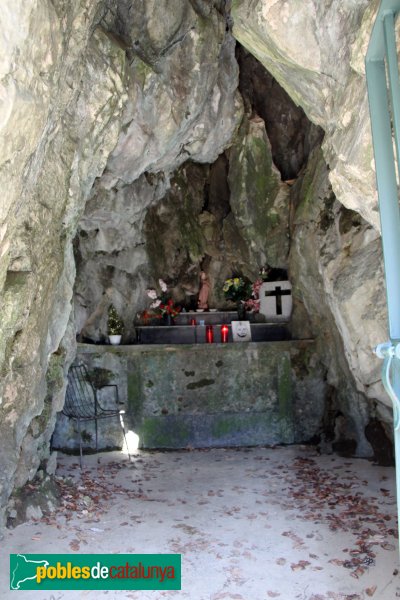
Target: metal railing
(383, 85)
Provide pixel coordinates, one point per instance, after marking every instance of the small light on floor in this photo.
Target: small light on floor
(132, 443)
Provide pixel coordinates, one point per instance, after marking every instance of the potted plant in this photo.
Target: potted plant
(115, 326)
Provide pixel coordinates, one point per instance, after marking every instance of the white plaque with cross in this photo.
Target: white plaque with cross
(276, 300)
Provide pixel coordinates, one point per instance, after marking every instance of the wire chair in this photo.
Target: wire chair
(81, 404)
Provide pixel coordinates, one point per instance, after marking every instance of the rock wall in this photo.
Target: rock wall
(336, 267)
(259, 199)
(62, 99)
(183, 99)
(339, 262)
(291, 133)
(182, 80)
(316, 51)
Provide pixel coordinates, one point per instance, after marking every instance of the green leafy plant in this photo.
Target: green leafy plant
(237, 289)
(115, 324)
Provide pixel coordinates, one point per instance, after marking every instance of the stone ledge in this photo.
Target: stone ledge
(218, 430)
(84, 348)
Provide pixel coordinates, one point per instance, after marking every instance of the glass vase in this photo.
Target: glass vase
(168, 320)
(241, 310)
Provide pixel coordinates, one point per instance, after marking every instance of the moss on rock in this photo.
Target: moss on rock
(259, 199)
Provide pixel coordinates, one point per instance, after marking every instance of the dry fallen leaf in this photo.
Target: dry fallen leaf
(387, 546)
(358, 572)
(337, 562)
(74, 545)
(371, 590)
(300, 566)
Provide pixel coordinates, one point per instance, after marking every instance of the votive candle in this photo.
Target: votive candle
(224, 334)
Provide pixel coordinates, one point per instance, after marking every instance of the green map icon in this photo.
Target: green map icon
(95, 571)
(23, 570)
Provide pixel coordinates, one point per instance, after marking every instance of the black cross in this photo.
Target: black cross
(278, 292)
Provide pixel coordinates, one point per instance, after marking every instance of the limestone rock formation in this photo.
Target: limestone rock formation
(110, 253)
(259, 200)
(183, 98)
(153, 81)
(291, 133)
(336, 265)
(315, 51)
(63, 94)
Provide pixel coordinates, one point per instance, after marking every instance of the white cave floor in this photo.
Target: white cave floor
(251, 524)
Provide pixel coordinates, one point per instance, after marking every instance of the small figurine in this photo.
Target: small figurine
(204, 291)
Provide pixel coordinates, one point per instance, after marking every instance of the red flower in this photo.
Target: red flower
(256, 288)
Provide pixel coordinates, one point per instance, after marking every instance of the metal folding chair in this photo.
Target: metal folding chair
(81, 404)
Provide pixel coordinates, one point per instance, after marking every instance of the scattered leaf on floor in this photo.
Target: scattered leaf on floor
(300, 566)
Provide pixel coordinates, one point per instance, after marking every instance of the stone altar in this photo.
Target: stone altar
(206, 395)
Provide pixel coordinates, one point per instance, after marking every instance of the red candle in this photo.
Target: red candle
(209, 334)
(224, 333)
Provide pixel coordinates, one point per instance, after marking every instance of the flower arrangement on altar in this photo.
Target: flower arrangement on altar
(162, 304)
(237, 289)
(266, 273)
(253, 303)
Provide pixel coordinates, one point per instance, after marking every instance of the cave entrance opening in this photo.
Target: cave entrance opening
(231, 217)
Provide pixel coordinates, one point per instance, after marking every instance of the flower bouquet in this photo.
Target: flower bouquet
(162, 305)
(237, 289)
(253, 303)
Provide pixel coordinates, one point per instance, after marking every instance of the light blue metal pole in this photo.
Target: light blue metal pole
(391, 381)
(387, 188)
(382, 54)
(393, 72)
